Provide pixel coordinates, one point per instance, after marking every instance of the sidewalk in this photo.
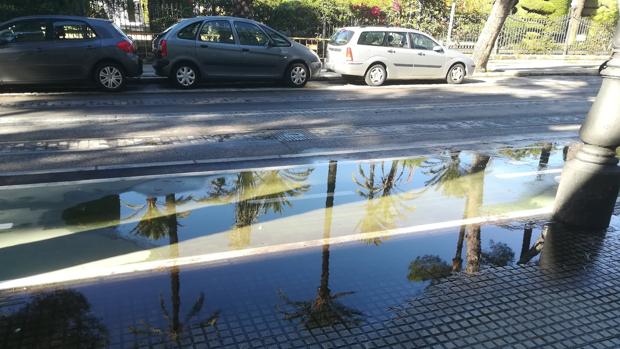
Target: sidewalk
(496, 68)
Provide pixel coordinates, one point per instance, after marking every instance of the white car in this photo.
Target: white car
(382, 53)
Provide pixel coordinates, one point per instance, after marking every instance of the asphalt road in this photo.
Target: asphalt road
(153, 125)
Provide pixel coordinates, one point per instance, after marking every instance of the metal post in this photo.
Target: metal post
(590, 182)
(451, 24)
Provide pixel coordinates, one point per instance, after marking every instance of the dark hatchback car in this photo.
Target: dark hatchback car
(53, 49)
(231, 48)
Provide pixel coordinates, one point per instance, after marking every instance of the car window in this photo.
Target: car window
(279, 40)
(189, 32)
(371, 38)
(422, 42)
(217, 31)
(25, 31)
(342, 37)
(251, 35)
(73, 31)
(396, 40)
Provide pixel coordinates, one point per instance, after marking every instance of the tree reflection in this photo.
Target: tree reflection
(383, 206)
(50, 317)
(258, 193)
(428, 267)
(540, 150)
(325, 310)
(167, 224)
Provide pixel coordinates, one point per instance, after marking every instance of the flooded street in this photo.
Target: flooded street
(343, 253)
(102, 227)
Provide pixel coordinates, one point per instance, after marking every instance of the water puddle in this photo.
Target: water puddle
(71, 231)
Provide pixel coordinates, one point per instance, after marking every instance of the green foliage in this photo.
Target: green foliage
(543, 8)
(537, 43)
(607, 14)
(15, 8)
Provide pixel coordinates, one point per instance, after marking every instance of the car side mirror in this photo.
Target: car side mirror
(438, 49)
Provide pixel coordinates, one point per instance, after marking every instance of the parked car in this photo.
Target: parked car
(385, 53)
(234, 48)
(52, 49)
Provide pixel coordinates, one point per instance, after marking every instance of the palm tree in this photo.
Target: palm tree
(259, 193)
(324, 310)
(472, 209)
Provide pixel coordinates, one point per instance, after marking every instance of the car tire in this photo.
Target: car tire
(296, 75)
(376, 75)
(110, 77)
(456, 74)
(185, 76)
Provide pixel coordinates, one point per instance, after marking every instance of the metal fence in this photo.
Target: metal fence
(540, 36)
(518, 36)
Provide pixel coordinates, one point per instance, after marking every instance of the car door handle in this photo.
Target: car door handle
(421, 54)
(204, 45)
(391, 51)
(245, 50)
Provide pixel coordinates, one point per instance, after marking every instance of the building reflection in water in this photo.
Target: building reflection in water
(325, 310)
(59, 318)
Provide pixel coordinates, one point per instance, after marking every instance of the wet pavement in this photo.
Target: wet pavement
(450, 250)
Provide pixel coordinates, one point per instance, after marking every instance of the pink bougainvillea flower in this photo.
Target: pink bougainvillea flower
(396, 6)
(375, 11)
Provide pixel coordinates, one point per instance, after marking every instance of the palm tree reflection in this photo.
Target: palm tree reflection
(383, 207)
(156, 225)
(258, 193)
(324, 310)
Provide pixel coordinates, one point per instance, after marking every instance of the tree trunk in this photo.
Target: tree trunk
(575, 17)
(324, 292)
(482, 51)
(472, 209)
(242, 8)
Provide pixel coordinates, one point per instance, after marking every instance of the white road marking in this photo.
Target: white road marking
(6, 226)
(98, 272)
(528, 174)
(573, 127)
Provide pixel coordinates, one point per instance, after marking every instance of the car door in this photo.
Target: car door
(427, 63)
(74, 51)
(217, 49)
(23, 43)
(399, 55)
(260, 57)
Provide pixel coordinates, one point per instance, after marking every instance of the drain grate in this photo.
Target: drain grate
(292, 136)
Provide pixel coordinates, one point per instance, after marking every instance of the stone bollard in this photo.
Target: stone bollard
(590, 182)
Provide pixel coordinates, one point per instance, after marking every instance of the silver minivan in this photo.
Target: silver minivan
(232, 48)
(382, 53)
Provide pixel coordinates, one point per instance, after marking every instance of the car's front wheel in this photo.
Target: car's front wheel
(456, 74)
(185, 76)
(110, 77)
(375, 75)
(297, 75)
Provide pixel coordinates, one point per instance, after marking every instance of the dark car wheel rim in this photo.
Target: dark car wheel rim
(110, 77)
(298, 75)
(186, 76)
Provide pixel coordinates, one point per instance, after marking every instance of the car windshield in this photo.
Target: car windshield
(341, 37)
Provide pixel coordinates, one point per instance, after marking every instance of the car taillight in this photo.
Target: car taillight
(349, 54)
(163, 51)
(126, 46)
